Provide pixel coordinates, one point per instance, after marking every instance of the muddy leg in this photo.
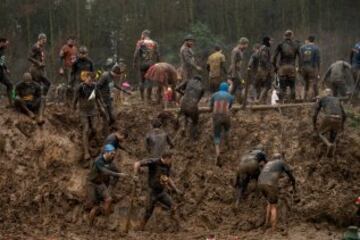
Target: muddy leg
(149, 93)
(273, 216)
(21, 106)
(42, 103)
(85, 136)
(268, 214)
(9, 87)
(93, 213)
(107, 206)
(149, 210)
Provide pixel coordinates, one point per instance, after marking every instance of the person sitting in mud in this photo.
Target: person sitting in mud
(192, 91)
(102, 178)
(28, 98)
(159, 182)
(268, 184)
(220, 105)
(249, 169)
(157, 140)
(88, 98)
(334, 119)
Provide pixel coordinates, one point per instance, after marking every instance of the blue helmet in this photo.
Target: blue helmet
(224, 87)
(109, 148)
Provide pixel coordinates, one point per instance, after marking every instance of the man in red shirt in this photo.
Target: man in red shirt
(68, 55)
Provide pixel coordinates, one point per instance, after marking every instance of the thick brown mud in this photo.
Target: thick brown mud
(42, 179)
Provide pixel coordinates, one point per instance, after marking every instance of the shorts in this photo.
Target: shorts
(330, 123)
(271, 193)
(97, 193)
(220, 122)
(288, 71)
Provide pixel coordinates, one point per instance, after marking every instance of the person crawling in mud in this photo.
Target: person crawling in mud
(29, 99)
(268, 184)
(88, 98)
(159, 183)
(157, 141)
(101, 179)
(220, 105)
(192, 92)
(115, 139)
(249, 169)
(335, 116)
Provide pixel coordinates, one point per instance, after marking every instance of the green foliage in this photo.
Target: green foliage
(205, 41)
(205, 38)
(353, 118)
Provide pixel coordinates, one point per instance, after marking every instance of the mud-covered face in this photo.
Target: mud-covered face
(244, 46)
(71, 42)
(190, 43)
(43, 41)
(109, 156)
(83, 54)
(167, 160)
(4, 44)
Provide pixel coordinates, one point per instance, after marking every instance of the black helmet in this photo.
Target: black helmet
(189, 37)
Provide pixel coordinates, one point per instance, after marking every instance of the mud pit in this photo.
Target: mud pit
(42, 178)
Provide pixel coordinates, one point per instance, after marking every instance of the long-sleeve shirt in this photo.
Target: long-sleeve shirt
(102, 171)
(288, 51)
(237, 56)
(157, 169)
(310, 56)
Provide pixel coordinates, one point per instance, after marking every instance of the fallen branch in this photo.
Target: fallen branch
(253, 108)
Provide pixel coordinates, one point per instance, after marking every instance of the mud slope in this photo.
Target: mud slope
(42, 179)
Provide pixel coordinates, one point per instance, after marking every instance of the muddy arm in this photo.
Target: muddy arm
(111, 173)
(173, 186)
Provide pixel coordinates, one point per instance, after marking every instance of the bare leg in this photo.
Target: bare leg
(217, 151)
(107, 207)
(273, 219)
(94, 211)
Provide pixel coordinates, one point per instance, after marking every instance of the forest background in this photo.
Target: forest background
(112, 27)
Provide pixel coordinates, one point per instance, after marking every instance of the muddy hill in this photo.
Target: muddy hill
(42, 178)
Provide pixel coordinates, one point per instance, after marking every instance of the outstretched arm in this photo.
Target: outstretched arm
(108, 172)
(173, 186)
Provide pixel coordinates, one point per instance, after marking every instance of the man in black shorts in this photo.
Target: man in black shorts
(268, 183)
(159, 181)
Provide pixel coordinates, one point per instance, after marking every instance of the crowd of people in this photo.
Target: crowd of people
(242, 81)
